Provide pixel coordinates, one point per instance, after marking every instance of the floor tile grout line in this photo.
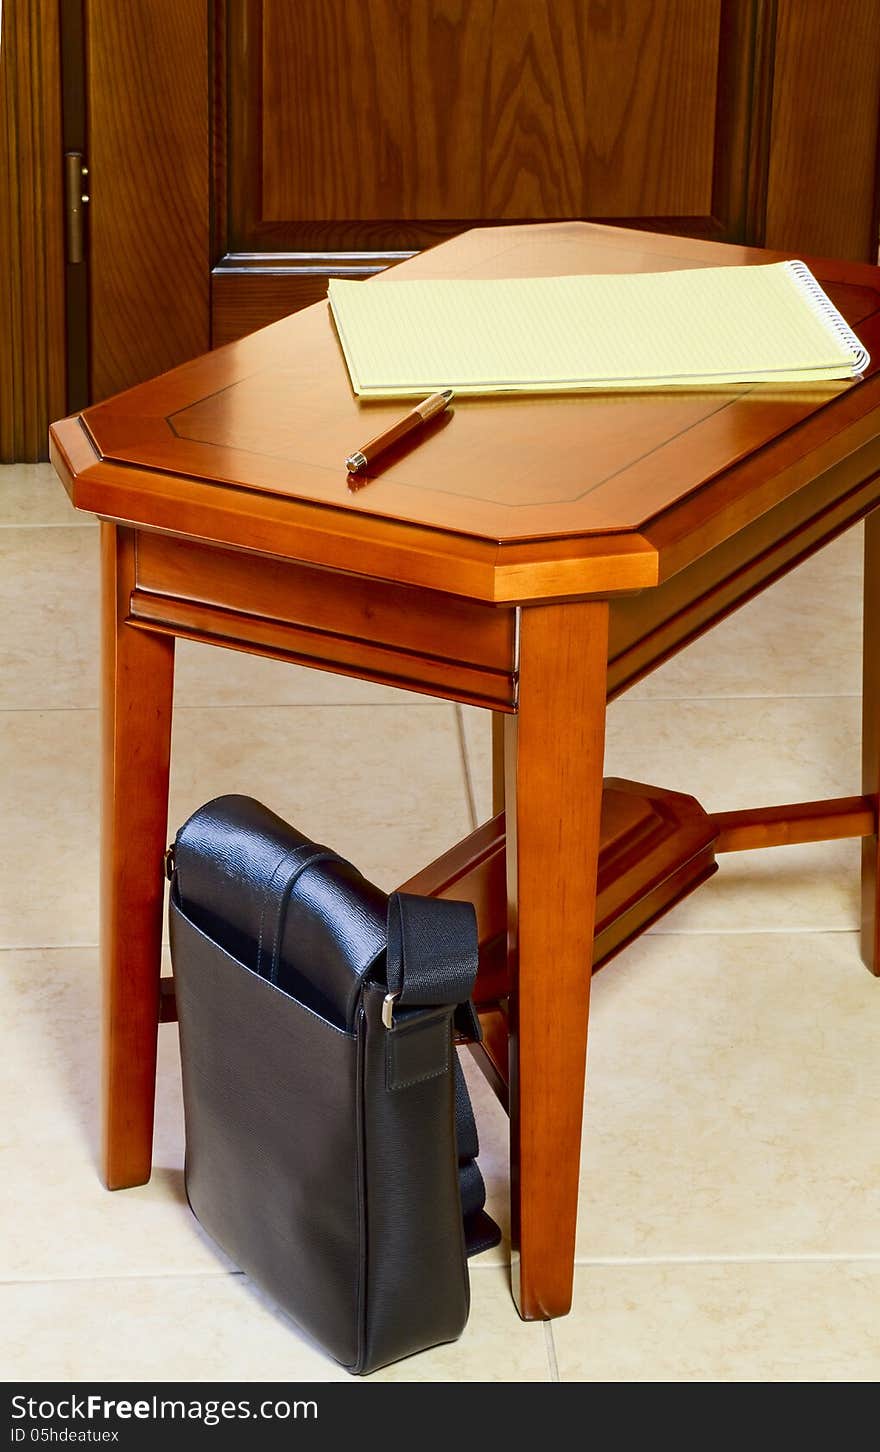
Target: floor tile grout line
(814, 932)
(122, 1275)
(550, 1348)
(49, 947)
(870, 1258)
(53, 524)
(751, 696)
(245, 706)
(466, 767)
(764, 931)
(205, 1273)
(403, 703)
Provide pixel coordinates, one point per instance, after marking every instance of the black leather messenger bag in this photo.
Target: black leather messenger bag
(330, 1144)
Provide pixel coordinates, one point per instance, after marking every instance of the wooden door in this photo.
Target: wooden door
(244, 151)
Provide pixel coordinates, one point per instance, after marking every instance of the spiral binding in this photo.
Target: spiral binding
(825, 308)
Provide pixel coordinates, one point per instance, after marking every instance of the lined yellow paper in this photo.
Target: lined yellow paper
(705, 326)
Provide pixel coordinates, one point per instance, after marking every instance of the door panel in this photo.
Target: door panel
(148, 123)
(823, 160)
(449, 111)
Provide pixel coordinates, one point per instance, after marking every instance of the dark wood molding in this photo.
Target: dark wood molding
(742, 137)
(763, 71)
(32, 328)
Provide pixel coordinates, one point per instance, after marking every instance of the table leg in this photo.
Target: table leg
(554, 761)
(138, 673)
(871, 740)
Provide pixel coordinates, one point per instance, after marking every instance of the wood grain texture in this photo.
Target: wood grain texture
(822, 180)
(148, 77)
(136, 728)
(532, 108)
(650, 107)
(554, 754)
(32, 326)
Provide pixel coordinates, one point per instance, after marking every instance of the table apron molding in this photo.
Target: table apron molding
(649, 628)
(395, 634)
(452, 681)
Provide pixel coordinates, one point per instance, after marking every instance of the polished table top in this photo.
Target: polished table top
(505, 499)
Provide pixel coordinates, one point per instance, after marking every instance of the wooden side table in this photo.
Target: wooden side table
(534, 556)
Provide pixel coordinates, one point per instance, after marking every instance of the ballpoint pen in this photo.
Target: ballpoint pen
(358, 461)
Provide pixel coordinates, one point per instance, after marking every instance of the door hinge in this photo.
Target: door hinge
(75, 173)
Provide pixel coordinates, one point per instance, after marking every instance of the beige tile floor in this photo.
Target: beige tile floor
(731, 1165)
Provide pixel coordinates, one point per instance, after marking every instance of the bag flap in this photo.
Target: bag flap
(290, 909)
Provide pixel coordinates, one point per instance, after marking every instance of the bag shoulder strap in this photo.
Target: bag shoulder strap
(432, 957)
(432, 960)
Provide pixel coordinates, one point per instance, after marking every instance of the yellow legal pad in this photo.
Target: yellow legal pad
(700, 327)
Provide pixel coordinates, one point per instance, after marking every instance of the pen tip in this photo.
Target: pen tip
(448, 394)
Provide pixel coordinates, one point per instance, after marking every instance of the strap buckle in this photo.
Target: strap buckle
(168, 861)
(388, 1003)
